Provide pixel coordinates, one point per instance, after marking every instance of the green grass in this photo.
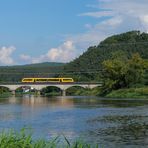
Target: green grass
(79, 91)
(12, 139)
(5, 94)
(129, 93)
(52, 94)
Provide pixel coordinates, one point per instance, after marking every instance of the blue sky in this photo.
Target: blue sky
(33, 31)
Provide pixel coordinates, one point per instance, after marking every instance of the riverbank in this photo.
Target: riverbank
(74, 91)
(121, 93)
(5, 95)
(12, 139)
(9, 94)
(129, 93)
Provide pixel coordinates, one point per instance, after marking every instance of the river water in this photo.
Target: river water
(110, 123)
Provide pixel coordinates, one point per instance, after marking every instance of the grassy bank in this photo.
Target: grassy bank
(51, 94)
(13, 139)
(121, 93)
(79, 91)
(129, 93)
(5, 94)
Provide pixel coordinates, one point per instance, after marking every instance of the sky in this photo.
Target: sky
(35, 31)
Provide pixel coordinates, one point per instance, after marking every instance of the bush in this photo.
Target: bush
(129, 93)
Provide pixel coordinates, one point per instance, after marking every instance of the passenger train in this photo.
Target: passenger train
(47, 80)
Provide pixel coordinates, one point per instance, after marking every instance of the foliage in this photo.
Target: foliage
(3, 90)
(5, 95)
(16, 73)
(122, 72)
(129, 93)
(21, 139)
(51, 91)
(136, 70)
(79, 91)
(89, 64)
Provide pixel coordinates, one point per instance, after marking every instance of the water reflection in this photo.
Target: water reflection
(37, 101)
(111, 123)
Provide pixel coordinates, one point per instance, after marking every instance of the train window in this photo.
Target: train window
(27, 79)
(67, 79)
(53, 80)
(43, 80)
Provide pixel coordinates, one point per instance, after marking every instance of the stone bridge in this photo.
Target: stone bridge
(39, 86)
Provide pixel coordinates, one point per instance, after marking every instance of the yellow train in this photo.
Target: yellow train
(43, 80)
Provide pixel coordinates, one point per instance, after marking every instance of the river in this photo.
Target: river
(108, 122)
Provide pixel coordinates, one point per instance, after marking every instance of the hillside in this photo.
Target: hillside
(87, 66)
(129, 42)
(91, 60)
(16, 73)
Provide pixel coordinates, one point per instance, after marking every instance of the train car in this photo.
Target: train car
(47, 80)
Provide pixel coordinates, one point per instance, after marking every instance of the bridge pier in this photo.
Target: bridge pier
(13, 92)
(63, 92)
(38, 92)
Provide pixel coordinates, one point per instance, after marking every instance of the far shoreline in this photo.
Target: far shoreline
(127, 93)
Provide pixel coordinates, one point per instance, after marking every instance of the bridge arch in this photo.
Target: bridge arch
(76, 90)
(51, 90)
(9, 87)
(4, 88)
(1, 86)
(25, 89)
(56, 86)
(80, 86)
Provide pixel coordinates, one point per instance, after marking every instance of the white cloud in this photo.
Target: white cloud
(5, 55)
(133, 13)
(113, 22)
(98, 14)
(25, 57)
(113, 16)
(65, 52)
(118, 16)
(62, 53)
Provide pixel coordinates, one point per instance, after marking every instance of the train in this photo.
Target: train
(47, 80)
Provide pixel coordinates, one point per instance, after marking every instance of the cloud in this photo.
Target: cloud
(114, 16)
(98, 14)
(5, 55)
(63, 53)
(25, 57)
(132, 12)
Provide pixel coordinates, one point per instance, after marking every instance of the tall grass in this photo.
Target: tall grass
(12, 139)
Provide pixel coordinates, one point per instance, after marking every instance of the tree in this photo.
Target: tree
(122, 72)
(136, 70)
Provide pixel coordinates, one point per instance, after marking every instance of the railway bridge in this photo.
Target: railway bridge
(39, 86)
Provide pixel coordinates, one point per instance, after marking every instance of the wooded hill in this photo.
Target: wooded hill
(86, 67)
(91, 60)
(16, 73)
(130, 42)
